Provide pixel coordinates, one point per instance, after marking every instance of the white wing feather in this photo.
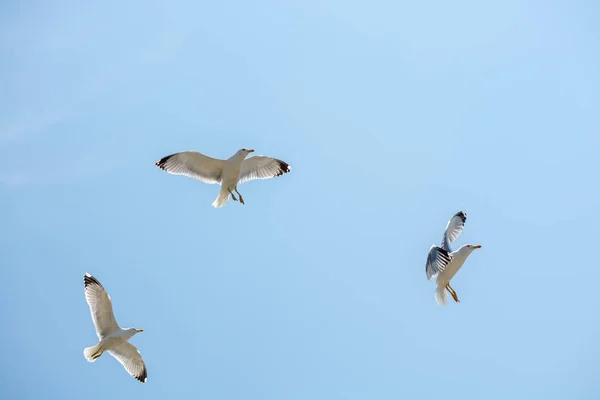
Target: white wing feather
(261, 167)
(193, 165)
(437, 260)
(100, 307)
(453, 229)
(129, 356)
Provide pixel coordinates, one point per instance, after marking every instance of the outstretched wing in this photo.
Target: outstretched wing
(453, 229)
(129, 356)
(100, 306)
(193, 165)
(437, 260)
(261, 167)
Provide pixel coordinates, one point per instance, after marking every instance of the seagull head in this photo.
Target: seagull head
(467, 249)
(245, 152)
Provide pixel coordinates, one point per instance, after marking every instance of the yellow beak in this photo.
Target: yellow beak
(139, 330)
(250, 151)
(477, 246)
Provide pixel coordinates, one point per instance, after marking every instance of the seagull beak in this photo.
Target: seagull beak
(250, 151)
(139, 330)
(477, 246)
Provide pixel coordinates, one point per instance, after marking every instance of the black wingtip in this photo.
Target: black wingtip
(284, 168)
(462, 215)
(143, 377)
(90, 280)
(161, 163)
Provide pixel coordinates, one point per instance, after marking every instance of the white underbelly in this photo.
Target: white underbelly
(449, 272)
(230, 176)
(112, 341)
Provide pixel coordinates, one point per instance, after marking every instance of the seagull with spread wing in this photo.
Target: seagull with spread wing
(444, 262)
(227, 173)
(113, 338)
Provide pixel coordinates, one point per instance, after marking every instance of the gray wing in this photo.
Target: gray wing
(261, 167)
(453, 229)
(130, 358)
(193, 165)
(100, 306)
(437, 260)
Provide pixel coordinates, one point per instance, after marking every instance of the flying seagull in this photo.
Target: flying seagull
(112, 338)
(227, 173)
(444, 262)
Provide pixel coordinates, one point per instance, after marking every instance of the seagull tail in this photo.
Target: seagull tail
(440, 295)
(92, 353)
(222, 199)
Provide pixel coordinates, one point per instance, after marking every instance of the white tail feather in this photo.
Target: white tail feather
(222, 199)
(92, 353)
(440, 295)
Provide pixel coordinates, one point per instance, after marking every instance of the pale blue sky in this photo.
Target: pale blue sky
(393, 115)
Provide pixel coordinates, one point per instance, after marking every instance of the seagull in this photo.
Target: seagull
(227, 173)
(113, 338)
(444, 262)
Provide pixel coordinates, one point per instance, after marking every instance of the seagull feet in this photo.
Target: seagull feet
(239, 194)
(454, 296)
(232, 195)
(453, 293)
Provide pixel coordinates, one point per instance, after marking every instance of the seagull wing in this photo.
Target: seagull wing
(453, 229)
(437, 260)
(100, 307)
(130, 358)
(261, 167)
(193, 165)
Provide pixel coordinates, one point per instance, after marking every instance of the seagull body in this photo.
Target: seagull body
(112, 338)
(444, 262)
(227, 173)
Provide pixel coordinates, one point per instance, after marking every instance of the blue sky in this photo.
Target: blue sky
(393, 115)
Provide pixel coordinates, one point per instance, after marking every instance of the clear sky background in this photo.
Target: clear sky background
(393, 115)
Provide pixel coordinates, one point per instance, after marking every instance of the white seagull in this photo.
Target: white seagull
(444, 262)
(113, 338)
(227, 173)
